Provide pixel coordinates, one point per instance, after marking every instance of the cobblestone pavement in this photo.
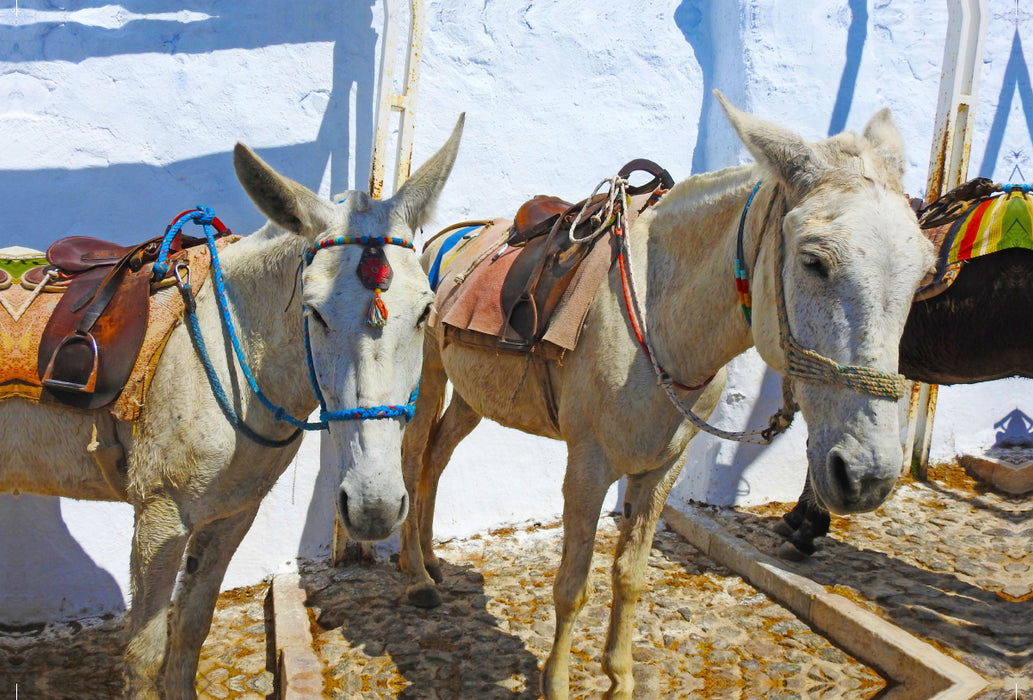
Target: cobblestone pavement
(702, 632)
(80, 660)
(64, 661)
(237, 657)
(946, 560)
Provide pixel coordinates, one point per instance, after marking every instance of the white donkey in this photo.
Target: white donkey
(194, 480)
(853, 257)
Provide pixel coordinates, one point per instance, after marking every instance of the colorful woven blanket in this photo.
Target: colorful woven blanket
(998, 223)
(976, 219)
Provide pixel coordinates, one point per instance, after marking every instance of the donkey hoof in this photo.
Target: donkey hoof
(424, 596)
(790, 552)
(783, 528)
(434, 571)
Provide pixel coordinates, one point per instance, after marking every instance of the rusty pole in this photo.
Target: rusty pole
(948, 168)
(390, 105)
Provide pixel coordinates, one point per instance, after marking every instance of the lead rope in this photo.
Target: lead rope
(203, 216)
(778, 423)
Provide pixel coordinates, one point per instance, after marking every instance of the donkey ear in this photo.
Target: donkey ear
(416, 197)
(787, 156)
(286, 203)
(884, 136)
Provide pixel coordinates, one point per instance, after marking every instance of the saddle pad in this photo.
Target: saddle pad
(989, 225)
(26, 312)
(469, 294)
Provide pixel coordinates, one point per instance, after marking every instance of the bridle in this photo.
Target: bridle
(801, 363)
(369, 274)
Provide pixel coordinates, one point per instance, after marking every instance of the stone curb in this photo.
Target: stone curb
(299, 673)
(920, 671)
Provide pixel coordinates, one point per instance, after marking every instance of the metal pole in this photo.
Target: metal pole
(389, 105)
(948, 168)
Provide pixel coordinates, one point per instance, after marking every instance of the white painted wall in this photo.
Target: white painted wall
(114, 118)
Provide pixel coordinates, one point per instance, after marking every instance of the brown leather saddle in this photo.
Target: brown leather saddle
(549, 259)
(92, 339)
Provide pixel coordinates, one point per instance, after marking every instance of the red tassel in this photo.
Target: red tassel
(376, 315)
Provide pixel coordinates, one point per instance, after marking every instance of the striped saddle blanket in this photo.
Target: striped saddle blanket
(975, 219)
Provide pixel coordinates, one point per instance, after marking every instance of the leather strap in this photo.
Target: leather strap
(661, 178)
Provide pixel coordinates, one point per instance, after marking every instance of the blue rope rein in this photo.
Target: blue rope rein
(1024, 188)
(202, 216)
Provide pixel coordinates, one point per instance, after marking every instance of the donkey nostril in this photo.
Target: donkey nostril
(838, 472)
(342, 505)
(404, 508)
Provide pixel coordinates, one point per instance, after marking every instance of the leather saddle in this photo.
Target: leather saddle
(95, 332)
(549, 257)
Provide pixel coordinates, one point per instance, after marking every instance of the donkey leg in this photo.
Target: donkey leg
(208, 555)
(809, 520)
(644, 500)
(159, 539)
(584, 488)
(456, 423)
(416, 441)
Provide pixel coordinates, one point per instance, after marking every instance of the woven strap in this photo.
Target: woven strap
(808, 365)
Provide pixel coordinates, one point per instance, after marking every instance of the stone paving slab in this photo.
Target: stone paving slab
(702, 631)
(948, 561)
(918, 670)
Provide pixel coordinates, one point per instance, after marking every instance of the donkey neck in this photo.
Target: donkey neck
(686, 257)
(261, 273)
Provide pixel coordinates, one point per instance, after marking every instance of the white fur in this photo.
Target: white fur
(194, 482)
(846, 205)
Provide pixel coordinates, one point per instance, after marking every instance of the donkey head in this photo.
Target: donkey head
(851, 260)
(366, 301)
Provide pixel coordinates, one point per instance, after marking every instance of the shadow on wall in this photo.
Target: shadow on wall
(93, 201)
(47, 551)
(732, 486)
(1016, 80)
(128, 203)
(856, 36)
(693, 18)
(698, 20)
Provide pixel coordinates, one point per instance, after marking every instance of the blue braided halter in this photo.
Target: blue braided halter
(202, 216)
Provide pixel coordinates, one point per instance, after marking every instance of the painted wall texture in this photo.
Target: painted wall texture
(115, 117)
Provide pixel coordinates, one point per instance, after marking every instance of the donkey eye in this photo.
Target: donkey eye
(318, 318)
(422, 320)
(815, 265)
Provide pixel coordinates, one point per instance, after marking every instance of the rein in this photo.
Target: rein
(801, 363)
(202, 216)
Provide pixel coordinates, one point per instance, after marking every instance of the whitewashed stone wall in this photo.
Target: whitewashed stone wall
(113, 118)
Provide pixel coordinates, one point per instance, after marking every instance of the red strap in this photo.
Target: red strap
(638, 331)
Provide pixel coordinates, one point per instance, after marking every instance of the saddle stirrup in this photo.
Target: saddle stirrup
(69, 356)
